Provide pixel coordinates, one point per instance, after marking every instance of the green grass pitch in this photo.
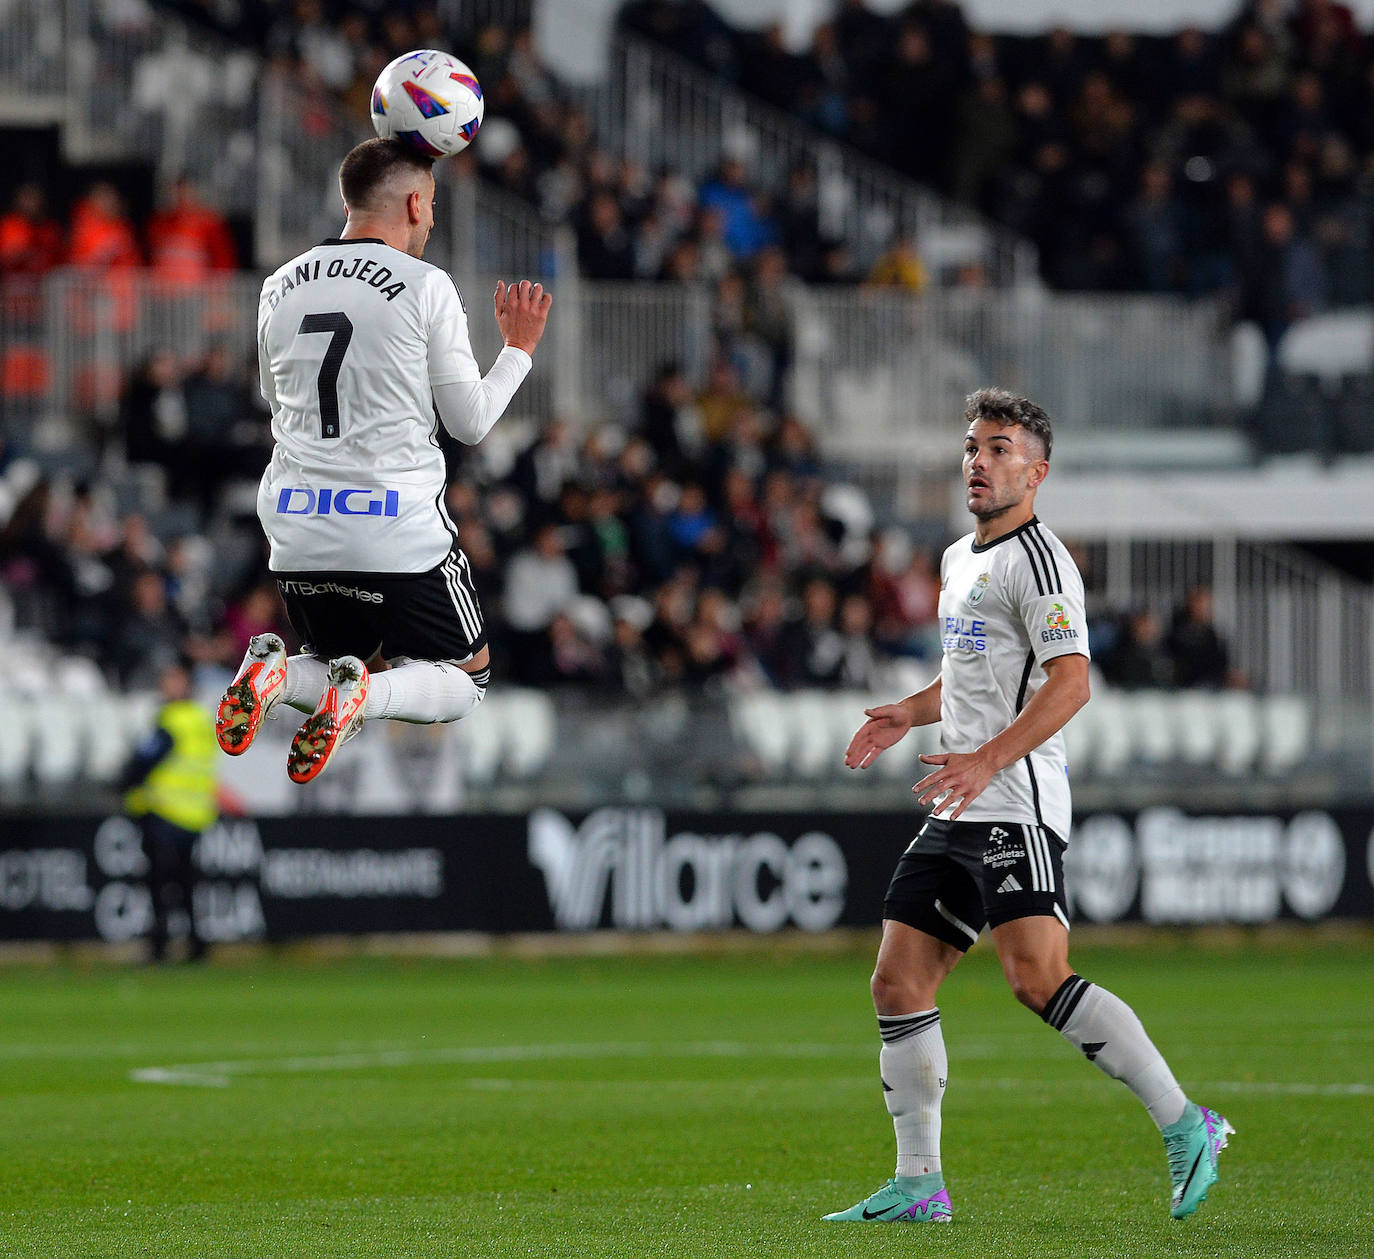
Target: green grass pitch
(711, 1105)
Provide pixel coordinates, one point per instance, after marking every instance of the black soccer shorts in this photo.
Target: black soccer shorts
(957, 877)
(423, 616)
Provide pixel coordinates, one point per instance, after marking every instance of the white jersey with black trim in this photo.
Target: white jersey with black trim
(1005, 609)
(352, 337)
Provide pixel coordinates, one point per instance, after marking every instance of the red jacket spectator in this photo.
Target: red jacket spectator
(30, 242)
(188, 239)
(102, 235)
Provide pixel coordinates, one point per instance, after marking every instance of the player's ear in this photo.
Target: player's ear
(413, 206)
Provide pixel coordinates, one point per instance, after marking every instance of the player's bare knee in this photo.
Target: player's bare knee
(895, 993)
(1030, 985)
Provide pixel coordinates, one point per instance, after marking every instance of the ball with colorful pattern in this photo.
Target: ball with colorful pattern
(429, 100)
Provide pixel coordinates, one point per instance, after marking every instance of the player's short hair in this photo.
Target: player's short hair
(369, 168)
(1001, 406)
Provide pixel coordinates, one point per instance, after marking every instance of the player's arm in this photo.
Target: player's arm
(469, 408)
(888, 723)
(963, 776)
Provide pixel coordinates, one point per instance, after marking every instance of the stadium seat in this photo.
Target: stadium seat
(813, 745)
(1338, 343)
(529, 731)
(1238, 739)
(1286, 731)
(1196, 719)
(481, 741)
(59, 743)
(107, 740)
(1152, 727)
(1112, 733)
(16, 738)
(760, 723)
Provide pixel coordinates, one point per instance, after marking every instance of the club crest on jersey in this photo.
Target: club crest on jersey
(980, 588)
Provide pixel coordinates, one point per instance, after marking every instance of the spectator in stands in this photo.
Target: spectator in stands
(1157, 232)
(148, 633)
(671, 422)
(102, 234)
(152, 412)
(223, 442)
(811, 649)
(1288, 283)
(30, 240)
(604, 248)
(1196, 650)
(1137, 660)
(900, 266)
(541, 582)
(768, 320)
(188, 240)
(747, 225)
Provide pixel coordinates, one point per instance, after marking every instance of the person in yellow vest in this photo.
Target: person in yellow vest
(172, 788)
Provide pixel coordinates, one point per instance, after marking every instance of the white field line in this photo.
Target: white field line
(221, 1074)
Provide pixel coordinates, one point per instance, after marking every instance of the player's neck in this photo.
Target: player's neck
(985, 531)
(364, 228)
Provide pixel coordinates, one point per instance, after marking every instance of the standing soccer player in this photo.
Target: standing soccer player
(360, 344)
(1015, 669)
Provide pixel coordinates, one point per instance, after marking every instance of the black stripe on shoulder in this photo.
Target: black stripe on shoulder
(1032, 555)
(456, 289)
(1043, 546)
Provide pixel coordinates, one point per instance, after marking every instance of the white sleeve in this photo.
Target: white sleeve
(1048, 594)
(265, 382)
(469, 404)
(469, 408)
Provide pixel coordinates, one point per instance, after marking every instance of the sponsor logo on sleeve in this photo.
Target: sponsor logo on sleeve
(1058, 627)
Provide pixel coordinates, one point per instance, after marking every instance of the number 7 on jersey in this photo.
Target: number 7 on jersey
(339, 324)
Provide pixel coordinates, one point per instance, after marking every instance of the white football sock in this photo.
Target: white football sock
(306, 678)
(423, 691)
(1108, 1032)
(914, 1068)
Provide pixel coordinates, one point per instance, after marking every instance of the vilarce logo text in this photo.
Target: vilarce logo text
(624, 861)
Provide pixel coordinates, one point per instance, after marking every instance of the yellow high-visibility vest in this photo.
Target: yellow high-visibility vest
(182, 786)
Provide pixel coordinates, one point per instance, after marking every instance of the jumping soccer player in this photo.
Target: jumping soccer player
(1015, 669)
(360, 343)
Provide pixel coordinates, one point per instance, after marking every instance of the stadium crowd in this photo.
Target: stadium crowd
(703, 547)
(1239, 162)
(703, 543)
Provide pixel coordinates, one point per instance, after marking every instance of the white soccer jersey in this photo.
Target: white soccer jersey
(352, 337)
(1005, 609)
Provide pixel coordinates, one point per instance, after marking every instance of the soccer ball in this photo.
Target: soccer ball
(428, 100)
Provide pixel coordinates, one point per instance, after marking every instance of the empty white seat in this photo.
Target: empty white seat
(760, 723)
(58, 742)
(1152, 727)
(529, 731)
(1286, 732)
(1238, 731)
(16, 737)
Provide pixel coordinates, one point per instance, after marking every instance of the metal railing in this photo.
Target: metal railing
(1291, 623)
(664, 112)
(876, 369)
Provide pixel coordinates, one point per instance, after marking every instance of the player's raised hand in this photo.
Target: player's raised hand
(886, 724)
(522, 310)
